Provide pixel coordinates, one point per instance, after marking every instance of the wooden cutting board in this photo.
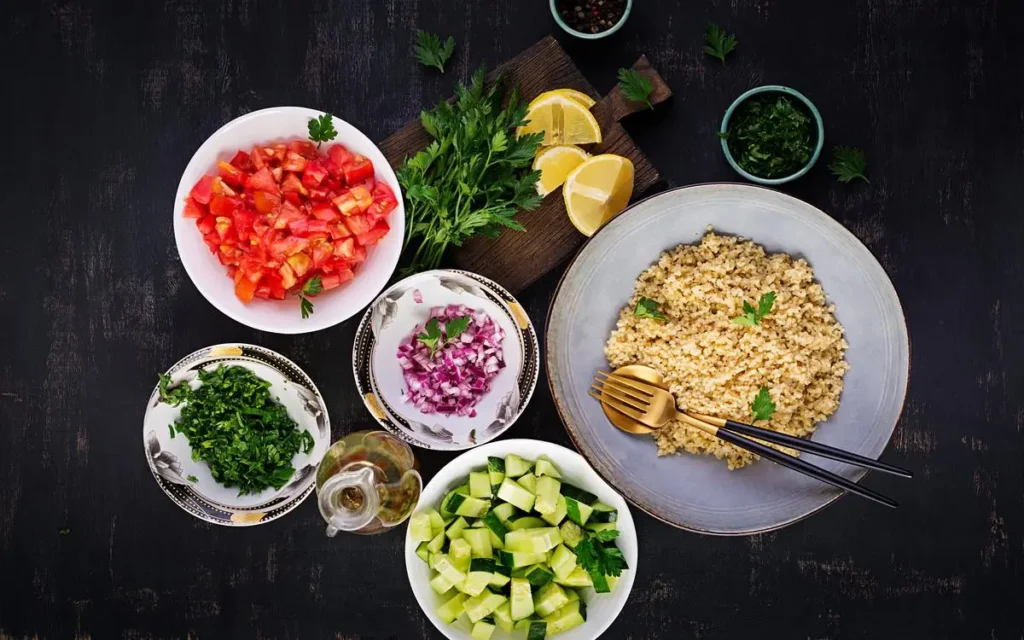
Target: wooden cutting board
(516, 259)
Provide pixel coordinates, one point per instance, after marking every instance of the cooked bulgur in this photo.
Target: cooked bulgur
(716, 367)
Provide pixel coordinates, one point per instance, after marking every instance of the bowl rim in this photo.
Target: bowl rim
(313, 323)
(553, 4)
(512, 444)
(861, 472)
(772, 88)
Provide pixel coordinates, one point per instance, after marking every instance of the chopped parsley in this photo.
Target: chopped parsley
(771, 135)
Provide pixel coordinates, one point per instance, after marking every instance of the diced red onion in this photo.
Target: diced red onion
(458, 375)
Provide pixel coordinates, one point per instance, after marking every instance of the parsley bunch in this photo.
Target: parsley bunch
(233, 425)
(600, 557)
(475, 175)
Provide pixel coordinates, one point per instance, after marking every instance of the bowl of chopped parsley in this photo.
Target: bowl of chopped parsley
(772, 134)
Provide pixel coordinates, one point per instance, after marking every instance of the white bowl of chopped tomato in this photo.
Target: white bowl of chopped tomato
(289, 220)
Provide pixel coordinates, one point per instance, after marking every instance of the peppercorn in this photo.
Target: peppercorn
(591, 16)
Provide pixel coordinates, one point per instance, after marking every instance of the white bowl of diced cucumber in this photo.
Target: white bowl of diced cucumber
(520, 539)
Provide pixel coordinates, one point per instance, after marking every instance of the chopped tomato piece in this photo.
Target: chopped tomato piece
(294, 162)
(346, 203)
(287, 276)
(325, 212)
(221, 188)
(292, 184)
(258, 158)
(319, 226)
(288, 214)
(381, 208)
(243, 162)
(299, 227)
(288, 246)
(345, 249)
(206, 224)
(203, 190)
(304, 148)
(265, 201)
(192, 209)
(262, 180)
(279, 151)
(244, 220)
(362, 196)
(313, 174)
(374, 235)
(277, 173)
(245, 289)
(357, 170)
(231, 174)
(338, 231)
(321, 251)
(299, 263)
(223, 205)
(336, 280)
(339, 155)
(358, 253)
(357, 224)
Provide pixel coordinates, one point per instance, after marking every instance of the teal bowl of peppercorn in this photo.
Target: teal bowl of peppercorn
(772, 134)
(590, 19)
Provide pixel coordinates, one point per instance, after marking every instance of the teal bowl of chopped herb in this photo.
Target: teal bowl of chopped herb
(772, 134)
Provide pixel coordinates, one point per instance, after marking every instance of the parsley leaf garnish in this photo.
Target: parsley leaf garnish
(430, 52)
(848, 163)
(648, 308)
(64, 532)
(762, 407)
(599, 559)
(635, 86)
(312, 287)
(455, 327)
(431, 335)
(322, 129)
(607, 535)
(192, 478)
(718, 43)
(752, 316)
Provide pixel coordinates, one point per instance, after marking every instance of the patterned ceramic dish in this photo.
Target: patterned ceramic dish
(170, 459)
(393, 316)
(698, 492)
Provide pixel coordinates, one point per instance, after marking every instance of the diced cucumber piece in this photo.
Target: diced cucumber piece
(549, 599)
(555, 518)
(419, 528)
(495, 472)
(577, 494)
(568, 617)
(479, 607)
(526, 522)
(547, 495)
(533, 540)
(522, 599)
(611, 580)
(496, 542)
(600, 526)
(479, 542)
(538, 630)
(563, 562)
(603, 513)
(422, 552)
(460, 490)
(499, 579)
(479, 484)
(432, 560)
(524, 625)
(515, 466)
(578, 512)
(528, 482)
(494, 524)
(482, 564)
(460, 553)
(446, 567)
(436, 523)
(479, 522)
(475, 583)
(525, 559)
(600, 582)
(504, 511)
(572, 593)
(456, 528)
(482, 631)
(437, 544)
(503, 616)
(538, 575)
(464, 505)
(572, 534)
(512, 493)
(453, 608)
(578, 578)
(495, 464)
(545, 468)
(440, 584)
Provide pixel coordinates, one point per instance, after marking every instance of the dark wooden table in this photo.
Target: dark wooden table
(106, 103)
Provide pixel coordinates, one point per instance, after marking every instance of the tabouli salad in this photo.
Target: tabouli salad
(515, 546)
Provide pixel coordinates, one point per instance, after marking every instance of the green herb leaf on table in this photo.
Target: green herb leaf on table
(430, 52)
(648, 308)
(718, 43)
(64, 532)
(752, 316)
(635, 86)
(322, 129)
(312, 287)
(762, 407)
(848, 163)
(431, 335)
(475, 175)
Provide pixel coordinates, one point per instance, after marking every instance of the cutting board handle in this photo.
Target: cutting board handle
(615, 106)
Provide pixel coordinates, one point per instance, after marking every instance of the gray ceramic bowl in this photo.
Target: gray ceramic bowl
(698, 493)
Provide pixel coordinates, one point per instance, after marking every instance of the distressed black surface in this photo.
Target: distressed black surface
(105, 104)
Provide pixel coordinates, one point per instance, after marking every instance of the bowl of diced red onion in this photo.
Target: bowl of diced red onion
(446, 360)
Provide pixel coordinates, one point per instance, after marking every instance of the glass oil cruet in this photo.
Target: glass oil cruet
(367, 483)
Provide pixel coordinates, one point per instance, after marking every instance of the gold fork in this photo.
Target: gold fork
(655, 407)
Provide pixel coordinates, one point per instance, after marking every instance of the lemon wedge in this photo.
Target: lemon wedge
(572, 94)
(555, 163)
(598, 190)
(563, 121)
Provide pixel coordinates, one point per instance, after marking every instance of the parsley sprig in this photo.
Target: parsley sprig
(762, 407)
(649, 308)
(718, 43)
(233, 424)
(475, 175)
(312, 287)
(848, 163)
(600, 559)
(432, 337)
(751, 315)
(322, 129)
(635, 86)
(430, 52)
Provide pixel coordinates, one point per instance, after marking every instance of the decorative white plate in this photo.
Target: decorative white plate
(392, 317)
(170, 459)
